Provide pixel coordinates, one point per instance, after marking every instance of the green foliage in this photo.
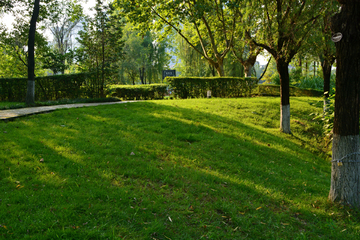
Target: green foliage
(327, 116)
(101, 44)
(147, 52)
(314, 82)
(211, 22)
(55, 87)
(56, 61)
(274, 90)
(139, 92)
(13, 50)
(219, 86)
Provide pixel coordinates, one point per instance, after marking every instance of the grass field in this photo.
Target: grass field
(170, 169)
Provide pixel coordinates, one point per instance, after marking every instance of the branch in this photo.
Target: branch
(178, 31)
(265, 69)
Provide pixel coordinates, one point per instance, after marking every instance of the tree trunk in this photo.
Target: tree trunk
(345, 170)
(326, 65)
(219, 66)
(142, 72)
(247, 69)
(282, 67)
(30, 93)
(326, 69)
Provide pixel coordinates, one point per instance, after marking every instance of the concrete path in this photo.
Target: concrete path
(15, 113)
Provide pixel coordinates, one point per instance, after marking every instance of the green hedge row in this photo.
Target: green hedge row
(225, 87)
(49, 88)
(139, 92)
(274, 90)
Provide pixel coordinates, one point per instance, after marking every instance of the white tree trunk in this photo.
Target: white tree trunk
(285, 118)
(345, 170)
(30, 93)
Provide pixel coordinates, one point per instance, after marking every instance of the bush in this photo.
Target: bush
(51, 88)
(315, 83)
(274, 90)
(197, 87)
(139, 92)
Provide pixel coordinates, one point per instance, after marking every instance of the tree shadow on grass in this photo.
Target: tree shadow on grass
(160, 172)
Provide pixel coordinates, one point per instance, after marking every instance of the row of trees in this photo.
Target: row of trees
(103, 43)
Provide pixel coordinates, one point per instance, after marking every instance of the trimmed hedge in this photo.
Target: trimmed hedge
(139, 92)
(274, 90)
(225, 87)
(71, 86)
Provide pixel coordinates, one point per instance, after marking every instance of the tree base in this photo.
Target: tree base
(30, 93)
(345, 170)
(285, 119)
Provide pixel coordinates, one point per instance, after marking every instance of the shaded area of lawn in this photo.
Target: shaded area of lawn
(216, 169)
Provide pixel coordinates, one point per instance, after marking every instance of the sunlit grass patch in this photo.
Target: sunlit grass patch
(171, 169)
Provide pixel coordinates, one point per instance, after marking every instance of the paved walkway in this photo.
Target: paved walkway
(15, 113)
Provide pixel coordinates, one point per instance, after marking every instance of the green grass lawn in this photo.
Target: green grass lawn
(170, 169)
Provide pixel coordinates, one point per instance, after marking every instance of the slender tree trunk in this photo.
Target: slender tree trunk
(345, 170)
(102, 84)
(326, 69)
(212, 70)
(282, 67)
(142, 70)
(30, 93)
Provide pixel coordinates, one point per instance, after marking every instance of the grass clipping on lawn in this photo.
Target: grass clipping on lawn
(170, 169)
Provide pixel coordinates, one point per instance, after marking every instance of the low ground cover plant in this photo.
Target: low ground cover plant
(180, 169)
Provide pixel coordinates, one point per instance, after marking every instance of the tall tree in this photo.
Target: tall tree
(64, 17)
(213, 21)
(284, 26)
(345, 170)
(30, 93)
(101, 44)
(244, 49)
(14, 50)
(145, 56)
(327, 55)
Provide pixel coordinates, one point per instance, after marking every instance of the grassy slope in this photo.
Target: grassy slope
(172, 169)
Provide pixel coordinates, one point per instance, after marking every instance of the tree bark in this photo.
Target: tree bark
(30, 93)
(247, 70)
(219, 66)
(345, 171)
(326, 69)
(282, 67)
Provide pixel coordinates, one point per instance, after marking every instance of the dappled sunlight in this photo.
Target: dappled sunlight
(96, 118)
(140, 166)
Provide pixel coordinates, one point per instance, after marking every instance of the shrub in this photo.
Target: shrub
(50, 88)
(139, 92)
(197, 87)
(274, 90)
